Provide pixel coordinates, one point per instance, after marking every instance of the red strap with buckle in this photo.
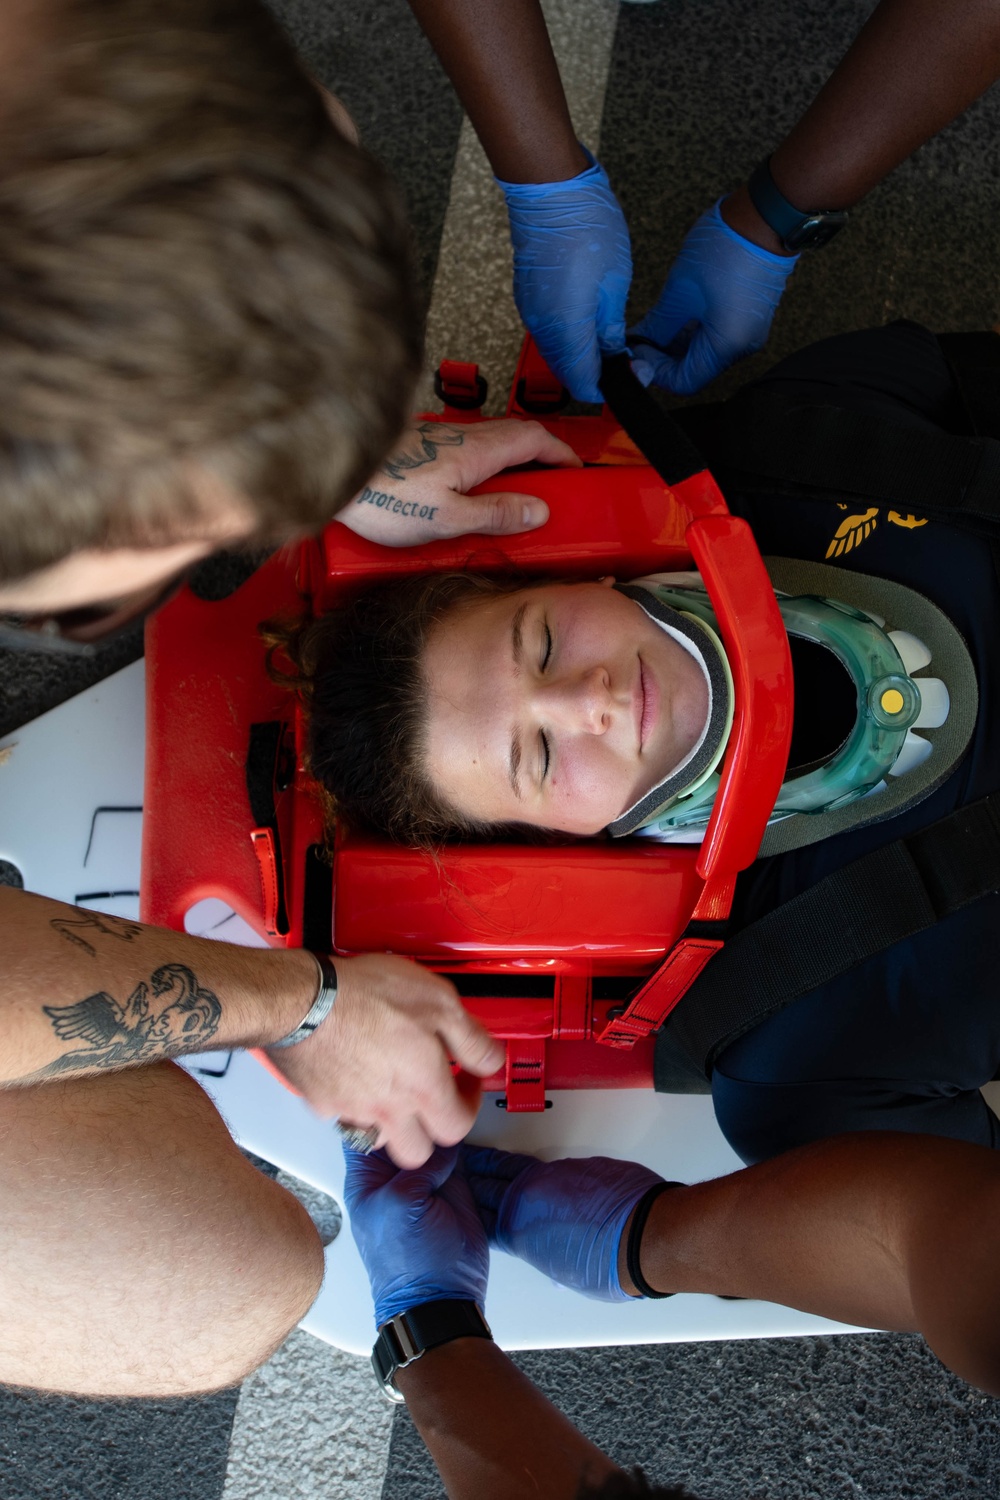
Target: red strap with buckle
(264, 848)
(525, 1081)
(647, 1011)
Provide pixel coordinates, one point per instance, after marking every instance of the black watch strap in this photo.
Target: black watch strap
(410, 1334)
(796, 230)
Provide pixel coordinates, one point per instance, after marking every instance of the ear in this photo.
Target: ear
(608, 581)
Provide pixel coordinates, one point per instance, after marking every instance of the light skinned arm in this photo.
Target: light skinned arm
(499, 58)
(84, 993)
(914, 67)
(888, 1231)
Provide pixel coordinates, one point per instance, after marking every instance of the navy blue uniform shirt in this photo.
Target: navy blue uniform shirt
(904, 1041)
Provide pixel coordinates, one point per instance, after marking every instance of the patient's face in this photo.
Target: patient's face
(557, 706)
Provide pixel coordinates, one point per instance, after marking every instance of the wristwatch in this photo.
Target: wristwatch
(796, 230)
(410, 1334)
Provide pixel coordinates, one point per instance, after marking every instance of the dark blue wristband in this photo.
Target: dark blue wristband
(796, 230)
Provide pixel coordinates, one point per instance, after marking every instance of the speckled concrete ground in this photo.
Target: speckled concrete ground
(696, 91)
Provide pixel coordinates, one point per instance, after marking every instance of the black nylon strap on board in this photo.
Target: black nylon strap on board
(653, 431)
(766, 440)
(974, 361)
(262, 764)
(858, 911)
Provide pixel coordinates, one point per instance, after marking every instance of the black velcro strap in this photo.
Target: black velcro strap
(858, 911)
(653, 431)
(265, 770)
(974, 361)
(764, 439)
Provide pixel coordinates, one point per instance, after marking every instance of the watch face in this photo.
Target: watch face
(815, 231)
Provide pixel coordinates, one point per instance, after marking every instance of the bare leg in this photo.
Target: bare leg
(140, 1253)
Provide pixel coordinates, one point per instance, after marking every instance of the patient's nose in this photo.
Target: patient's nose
(582, 702)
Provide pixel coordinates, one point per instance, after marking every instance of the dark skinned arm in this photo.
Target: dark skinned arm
(884, 1230)
(915, 66)
(499, 58)
(491, 1432)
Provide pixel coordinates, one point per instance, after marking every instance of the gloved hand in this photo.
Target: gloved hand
(564, 1217)
(418, 1232)
(720, 297)
(572, 269)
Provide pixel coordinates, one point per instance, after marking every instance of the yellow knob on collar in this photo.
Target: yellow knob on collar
(891, 701)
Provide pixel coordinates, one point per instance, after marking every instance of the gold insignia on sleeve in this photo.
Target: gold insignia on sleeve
(852, 531)
(910, 521)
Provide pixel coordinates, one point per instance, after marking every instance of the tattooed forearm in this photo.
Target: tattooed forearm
(73, 928)
(398, 507)
(427, 438)
(115, 1036)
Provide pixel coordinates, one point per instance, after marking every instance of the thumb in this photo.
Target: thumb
(364, 1175)
(505, 513)
(703, 361)
(680, 302)
(421, 1182)
(471, 1045)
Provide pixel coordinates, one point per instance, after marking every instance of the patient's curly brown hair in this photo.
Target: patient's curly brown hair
(358, 671)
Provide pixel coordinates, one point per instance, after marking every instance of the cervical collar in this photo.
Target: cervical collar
(891, 703)
(699, 639)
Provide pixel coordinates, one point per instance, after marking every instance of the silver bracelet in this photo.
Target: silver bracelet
(320, 1008)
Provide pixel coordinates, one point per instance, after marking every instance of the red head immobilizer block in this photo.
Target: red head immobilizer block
(573, 953)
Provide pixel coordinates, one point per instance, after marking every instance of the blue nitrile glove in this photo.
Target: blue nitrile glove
(564, 1217)
(572, 269)
(717, 303)
(418, 1232)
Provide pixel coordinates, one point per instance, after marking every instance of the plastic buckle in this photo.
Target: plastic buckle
(459, 385)
(525, 1077)
(540, 393)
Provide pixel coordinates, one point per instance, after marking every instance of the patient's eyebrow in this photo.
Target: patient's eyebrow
(517, 653)
(517, 636)
(515, 761)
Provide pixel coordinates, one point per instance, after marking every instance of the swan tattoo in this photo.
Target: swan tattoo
(113, 1035)
(429, 438)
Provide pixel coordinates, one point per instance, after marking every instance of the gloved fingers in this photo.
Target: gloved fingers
(490, 1163)
(427, 1179)
(365, 1175)
(612, 294)
(680, 305)
(490, 1173)
(573, 356)
(488, 1194)
(700, 364)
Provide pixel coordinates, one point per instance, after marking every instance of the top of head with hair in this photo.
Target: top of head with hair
(196, 268)
(358, 671)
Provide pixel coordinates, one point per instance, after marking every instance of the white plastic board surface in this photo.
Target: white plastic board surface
(71, 821)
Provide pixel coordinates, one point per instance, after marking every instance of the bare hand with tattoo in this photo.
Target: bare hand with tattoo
(86, 993)
(381, 1057)
(420, 492)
